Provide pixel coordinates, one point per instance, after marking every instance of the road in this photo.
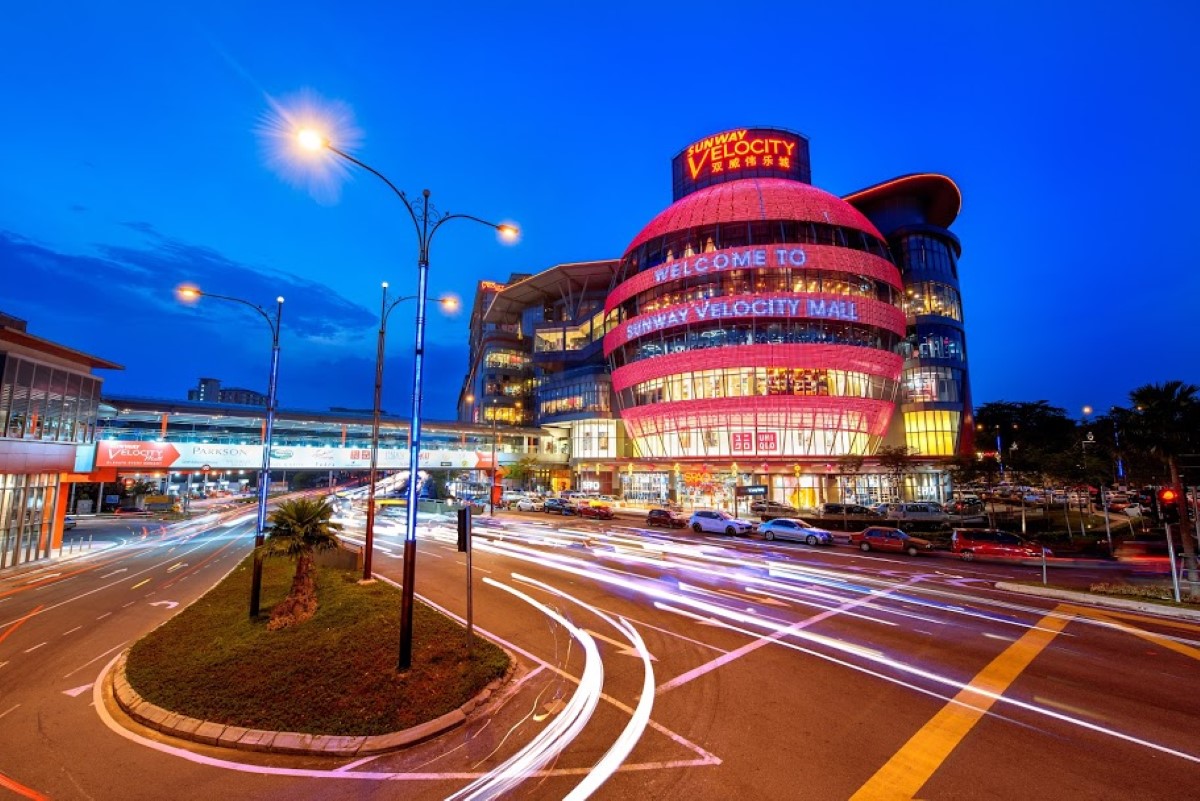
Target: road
(653, 665)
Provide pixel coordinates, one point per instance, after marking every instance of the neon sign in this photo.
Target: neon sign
(734, 150)
(740, 153)
(491, 286)
(778, 306)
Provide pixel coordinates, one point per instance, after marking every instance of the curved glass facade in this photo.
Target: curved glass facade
(769, 325)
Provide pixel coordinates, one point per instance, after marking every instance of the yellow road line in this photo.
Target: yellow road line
(1087, 611)
(910, 767)
(1157, 639)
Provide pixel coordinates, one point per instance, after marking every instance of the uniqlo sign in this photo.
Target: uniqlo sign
(768, 441)
(741, 441)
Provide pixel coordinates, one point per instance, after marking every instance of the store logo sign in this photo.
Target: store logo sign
(734, 151)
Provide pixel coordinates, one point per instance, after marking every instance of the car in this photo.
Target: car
(845, 510)
(965, 506)
(884, 538)
(509, 498)
(596, 511)
(716, 522)
(528, 504)
(921, 510)
(665, 518)
(971, 542)
(772, 509)
(560, 505)
(129, 510)
(68, 523)
(793, 528)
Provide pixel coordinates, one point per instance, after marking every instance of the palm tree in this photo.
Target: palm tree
(299, 529)
(1165, 423)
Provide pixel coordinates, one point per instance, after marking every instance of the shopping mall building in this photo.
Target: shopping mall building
(758, 331)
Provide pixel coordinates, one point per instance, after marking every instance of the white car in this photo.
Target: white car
(528, 505)
(719, 523)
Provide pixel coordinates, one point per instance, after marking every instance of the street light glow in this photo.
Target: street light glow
(508, 232)
(188, 294)
(310, 139)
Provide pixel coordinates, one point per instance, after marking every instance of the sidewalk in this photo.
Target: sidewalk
(1109, 601)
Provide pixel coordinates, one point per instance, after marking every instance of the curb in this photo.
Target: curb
(1102, 600)
(287, 742)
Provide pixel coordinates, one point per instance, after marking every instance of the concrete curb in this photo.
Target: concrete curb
(1101, 600)
(287, 742)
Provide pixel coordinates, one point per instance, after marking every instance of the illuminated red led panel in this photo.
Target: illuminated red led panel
(755, 199)
(831, 258)
(870, 312)
(771, 411)
(792, 356)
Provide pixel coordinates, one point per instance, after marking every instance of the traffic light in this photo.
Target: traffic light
(1168, 507)
(128, 483)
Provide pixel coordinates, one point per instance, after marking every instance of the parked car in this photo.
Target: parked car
(68, 523)
(560, 505)
(921, 510)
(510, 498)
(883, 538)
(665, 518)
(846, 510)
(528, 504)
(719, 523)
(596, 511)
(792, 528)
(772, 509)
(971, 542)
(965, 506)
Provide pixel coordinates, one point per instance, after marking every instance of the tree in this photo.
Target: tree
(849, 467)
(897, 462)
(1165, 423)
(522, 470)
(299, 529)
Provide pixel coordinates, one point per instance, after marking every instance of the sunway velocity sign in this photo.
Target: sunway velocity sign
(150, 456)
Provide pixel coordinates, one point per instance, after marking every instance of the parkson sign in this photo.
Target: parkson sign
(152, 456)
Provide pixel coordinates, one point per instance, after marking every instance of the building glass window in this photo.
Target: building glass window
(933, 433)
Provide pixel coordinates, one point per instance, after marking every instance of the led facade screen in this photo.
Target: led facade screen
(740, 153)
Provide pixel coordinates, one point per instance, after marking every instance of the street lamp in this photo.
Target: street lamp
(426, 222)
(192, 294)
(448, 302)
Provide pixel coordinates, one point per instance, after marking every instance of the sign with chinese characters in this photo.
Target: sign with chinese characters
(740, 153)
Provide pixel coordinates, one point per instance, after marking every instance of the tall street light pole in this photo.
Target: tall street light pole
(190, 293)
(426, 221)
(385, 309)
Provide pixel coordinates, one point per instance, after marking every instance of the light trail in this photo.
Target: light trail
(561, 731)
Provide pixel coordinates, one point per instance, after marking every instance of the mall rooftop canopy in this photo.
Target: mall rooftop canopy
(561, 282)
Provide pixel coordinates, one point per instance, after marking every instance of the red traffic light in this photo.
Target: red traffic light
(1167, 495)
(128, 482)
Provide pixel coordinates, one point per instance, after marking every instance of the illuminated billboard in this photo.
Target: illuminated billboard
(740, 153)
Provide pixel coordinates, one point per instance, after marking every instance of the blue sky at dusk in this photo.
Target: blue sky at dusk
(134, 160)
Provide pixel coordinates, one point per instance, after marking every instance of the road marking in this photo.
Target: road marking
(168, 604)
(19, 621)
(75, 692)
(72, 631)
(34, 648)
(723, 659)
(10, 709)
(919, 758)
(1157, 639)
(140, 583)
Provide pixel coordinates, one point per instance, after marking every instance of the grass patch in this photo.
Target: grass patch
(335, 674)
(1150, 592)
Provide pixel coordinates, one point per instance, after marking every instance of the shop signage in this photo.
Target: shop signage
(783, 306)
(739, 150)
(198, 456)
(731, 259)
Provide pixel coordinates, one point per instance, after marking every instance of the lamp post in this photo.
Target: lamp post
(426, 222)
(191, 293)
(492, 483)
(385, 309)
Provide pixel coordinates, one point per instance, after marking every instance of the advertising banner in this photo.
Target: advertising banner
(152, 456)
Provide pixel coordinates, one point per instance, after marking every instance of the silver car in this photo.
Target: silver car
(793, 528)
(527, 504)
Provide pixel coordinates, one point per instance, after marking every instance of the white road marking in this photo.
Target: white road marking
(72, 631)
(11, 708)
(75, 692)
(93, 659)
(34, 648)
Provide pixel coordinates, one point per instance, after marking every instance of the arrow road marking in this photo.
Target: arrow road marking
(623, 648)
(168, 604)
(75, 692)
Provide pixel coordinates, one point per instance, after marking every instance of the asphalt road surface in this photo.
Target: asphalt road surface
(652, 665)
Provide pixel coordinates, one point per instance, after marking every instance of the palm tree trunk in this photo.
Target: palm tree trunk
(1189, 543)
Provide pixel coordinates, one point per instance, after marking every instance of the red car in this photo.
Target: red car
(971, 542)
(596, 512)
(882, 538)
(665, 518)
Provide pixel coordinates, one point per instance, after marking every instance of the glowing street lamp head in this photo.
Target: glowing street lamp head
(187, 293)
(508, 232)
(311, 139)
(449, 303)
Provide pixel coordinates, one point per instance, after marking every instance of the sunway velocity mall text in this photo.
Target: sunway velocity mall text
(823, 308)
